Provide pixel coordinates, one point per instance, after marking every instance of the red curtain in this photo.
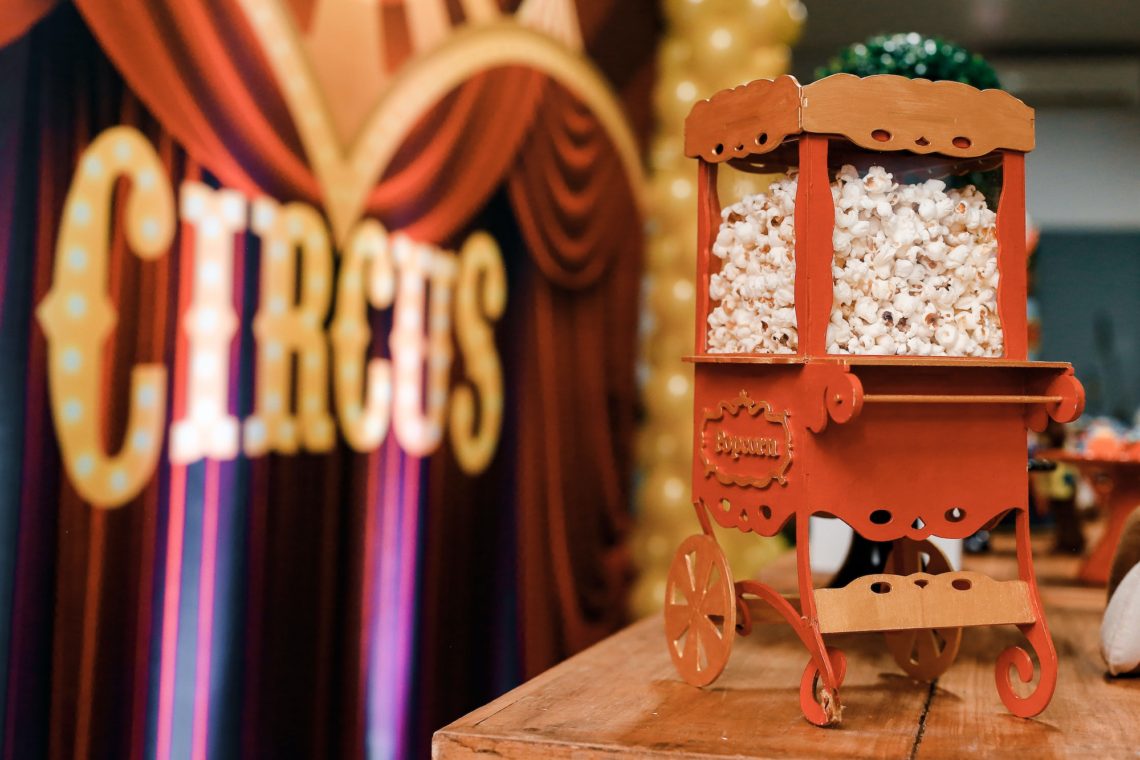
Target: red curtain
(197, 68)
(17, 16)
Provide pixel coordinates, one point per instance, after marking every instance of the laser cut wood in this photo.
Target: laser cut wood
(882, 113)
(899, 448)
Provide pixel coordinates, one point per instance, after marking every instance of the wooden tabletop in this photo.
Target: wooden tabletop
(622, 698)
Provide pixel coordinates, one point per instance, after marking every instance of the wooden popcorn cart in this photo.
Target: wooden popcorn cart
(901, 448)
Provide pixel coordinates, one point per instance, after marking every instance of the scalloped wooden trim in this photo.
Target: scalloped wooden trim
(748, 120)
(883, 112)
(937, 604)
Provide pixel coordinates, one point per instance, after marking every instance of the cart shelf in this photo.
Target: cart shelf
(884, 602)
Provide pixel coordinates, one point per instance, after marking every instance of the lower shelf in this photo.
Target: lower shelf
(908, 602)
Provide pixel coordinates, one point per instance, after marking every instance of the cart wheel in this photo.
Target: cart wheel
(700, 610)
(819, 703)
(925, 653)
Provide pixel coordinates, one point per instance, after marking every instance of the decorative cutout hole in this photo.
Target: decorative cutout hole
(718, 149)
(962, 584)
(922, 141)
(740, 148)
(679, 644)
(880, 587)
(881, 517)
(962, 142)
(922, 583)
(918, 524)
(881, 135)
(766, 511)
(955, 515)
(762, 138)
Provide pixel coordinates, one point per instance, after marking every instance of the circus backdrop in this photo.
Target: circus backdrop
(317, 321)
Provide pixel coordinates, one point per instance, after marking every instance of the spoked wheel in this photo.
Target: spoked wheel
(926, 653)
(700, 610)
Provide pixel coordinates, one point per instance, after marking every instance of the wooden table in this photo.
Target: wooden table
(622, 699)
(1116, 482)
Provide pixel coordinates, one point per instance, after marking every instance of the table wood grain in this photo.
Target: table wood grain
(622, 699)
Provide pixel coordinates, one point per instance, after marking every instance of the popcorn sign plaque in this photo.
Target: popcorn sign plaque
(745, 443)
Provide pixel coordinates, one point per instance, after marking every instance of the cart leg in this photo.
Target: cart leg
(819, 701)
(1038, 635)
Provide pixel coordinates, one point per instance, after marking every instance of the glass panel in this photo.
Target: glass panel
(753, 268)
(915, 267)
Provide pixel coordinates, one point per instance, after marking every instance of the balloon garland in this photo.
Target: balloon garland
(708, 45)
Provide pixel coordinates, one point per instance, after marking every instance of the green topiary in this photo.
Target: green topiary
(914, 56)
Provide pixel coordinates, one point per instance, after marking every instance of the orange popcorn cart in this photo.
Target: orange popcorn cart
(901, 448)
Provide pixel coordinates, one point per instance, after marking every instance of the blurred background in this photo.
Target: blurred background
(348, 601)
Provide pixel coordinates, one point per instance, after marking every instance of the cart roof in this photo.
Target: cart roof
(883, 112)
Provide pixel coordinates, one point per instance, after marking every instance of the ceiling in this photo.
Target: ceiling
(999, 29)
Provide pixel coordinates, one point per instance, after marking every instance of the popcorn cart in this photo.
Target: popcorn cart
(865, 438)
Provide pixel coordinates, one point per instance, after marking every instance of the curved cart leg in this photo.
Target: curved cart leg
(1038, 635)
(925, 653)
(700, 610)
(819, 687)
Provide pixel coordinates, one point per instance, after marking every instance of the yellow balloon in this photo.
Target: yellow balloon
(674, 52)
(652, 548)
(673, 303)
(772, 22)
(666, 446)
(647, 595)
(680, 13)
(668, 154)
(669, 393)
(769, 61)
(665, 498)
(720, 46)
(677, 88)
(674, 193)
(667, 252)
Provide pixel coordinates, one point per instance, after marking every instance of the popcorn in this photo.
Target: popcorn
(915, 271)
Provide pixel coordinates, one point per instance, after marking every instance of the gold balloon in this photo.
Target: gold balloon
(668, 491)
(672, 300)
(669, 393)
(772, 22)
(719, 44)
(647, 595)
(676, 90)
(674, 193)
(709, 45)
(667, 153)
(681, 13)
